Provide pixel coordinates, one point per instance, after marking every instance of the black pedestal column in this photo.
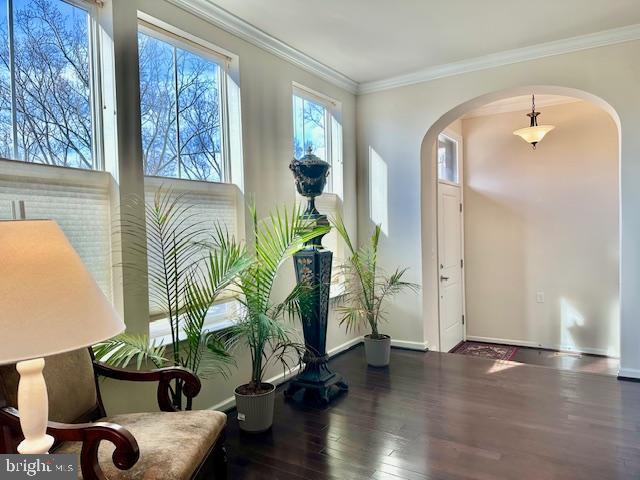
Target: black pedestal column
(316, 383)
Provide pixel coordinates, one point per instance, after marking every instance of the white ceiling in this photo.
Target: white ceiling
(369, 40)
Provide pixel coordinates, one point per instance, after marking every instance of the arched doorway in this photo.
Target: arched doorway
(429, 201)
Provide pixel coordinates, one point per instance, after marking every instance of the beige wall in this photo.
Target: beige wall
(266, 88)
(402, 124)
(543, 220)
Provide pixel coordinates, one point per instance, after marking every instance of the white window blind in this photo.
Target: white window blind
(78, 200)
(329, 204)
(212, 203)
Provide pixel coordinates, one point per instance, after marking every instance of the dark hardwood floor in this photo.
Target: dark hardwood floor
(580, 362)
(451, 417)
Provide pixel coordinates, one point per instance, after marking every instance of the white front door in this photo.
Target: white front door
(450, 276)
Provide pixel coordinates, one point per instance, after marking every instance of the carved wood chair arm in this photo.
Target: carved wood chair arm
(190, 388)
(125, 455)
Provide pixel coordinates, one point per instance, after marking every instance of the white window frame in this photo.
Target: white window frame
(95, 73)
(457, 142)
(167, 33)
(332, 135)
(97, 175)
(160, 330)
(231, 139)
(335, 152)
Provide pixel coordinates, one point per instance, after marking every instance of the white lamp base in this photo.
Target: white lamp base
(33, 405)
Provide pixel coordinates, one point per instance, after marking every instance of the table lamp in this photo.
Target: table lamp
(49, 304)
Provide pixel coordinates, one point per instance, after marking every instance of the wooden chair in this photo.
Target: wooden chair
(168, 445)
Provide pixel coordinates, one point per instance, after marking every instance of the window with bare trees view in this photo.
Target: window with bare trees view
(57, 109)
(186, 115)
(181, 110)
(309, 127)
(316, 128)
(45, 83)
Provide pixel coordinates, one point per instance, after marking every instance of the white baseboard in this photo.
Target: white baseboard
(524, 343)
(276, 380)
(629, 373)
(345, 346)
(420, 346)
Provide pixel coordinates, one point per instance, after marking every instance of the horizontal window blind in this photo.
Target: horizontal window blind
(77, 200)
(211, 203)
(330, 205)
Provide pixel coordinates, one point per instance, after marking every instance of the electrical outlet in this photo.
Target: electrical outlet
(539, 297)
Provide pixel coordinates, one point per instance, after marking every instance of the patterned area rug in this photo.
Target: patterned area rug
(486, 350)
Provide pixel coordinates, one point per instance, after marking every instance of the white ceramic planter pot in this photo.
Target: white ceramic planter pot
(377, 350)
(255, 412)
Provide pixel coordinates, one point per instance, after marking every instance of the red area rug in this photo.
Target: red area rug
(486, 350)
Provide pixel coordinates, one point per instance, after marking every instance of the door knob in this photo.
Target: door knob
(443, 278)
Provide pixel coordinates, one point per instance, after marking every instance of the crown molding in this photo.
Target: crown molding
(225, 20)
(507, 57)
(520, 103)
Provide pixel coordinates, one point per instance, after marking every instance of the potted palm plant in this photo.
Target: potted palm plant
(189, 266)
(366, 290)
(261, 329)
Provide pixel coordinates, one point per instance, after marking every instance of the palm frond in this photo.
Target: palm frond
(120, 351)
(188, 268)
(225, 262)
(276, 238)
(366, 285)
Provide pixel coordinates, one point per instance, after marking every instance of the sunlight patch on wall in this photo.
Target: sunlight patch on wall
(613, 350)
(378, 191)
(571, 322)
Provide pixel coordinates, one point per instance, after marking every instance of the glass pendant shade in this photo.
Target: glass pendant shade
(534, 132)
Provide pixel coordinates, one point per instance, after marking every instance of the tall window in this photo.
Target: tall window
(185, 117)
(181, 102)
(447, 159)
(45, 83)
(47, 121)
(310, 130)
(316, 127)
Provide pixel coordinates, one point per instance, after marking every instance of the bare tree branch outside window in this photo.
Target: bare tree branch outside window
(52, 84)
(180, 106)
(310, 127)
(180, 96)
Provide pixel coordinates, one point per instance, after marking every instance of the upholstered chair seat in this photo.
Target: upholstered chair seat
(172, 444)
(165, 445)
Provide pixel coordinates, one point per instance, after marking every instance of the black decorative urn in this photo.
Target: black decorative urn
(316, 384)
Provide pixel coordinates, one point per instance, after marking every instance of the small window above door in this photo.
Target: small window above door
(447, 159)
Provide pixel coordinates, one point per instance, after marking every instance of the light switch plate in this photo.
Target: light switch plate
(539, 297)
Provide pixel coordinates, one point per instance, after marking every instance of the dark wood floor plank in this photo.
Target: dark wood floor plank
(581, 362)
(433, 416)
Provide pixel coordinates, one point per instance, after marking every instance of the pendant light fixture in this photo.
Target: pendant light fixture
(534, 132)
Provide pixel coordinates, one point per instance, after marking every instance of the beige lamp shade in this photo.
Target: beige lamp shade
(49, 303)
